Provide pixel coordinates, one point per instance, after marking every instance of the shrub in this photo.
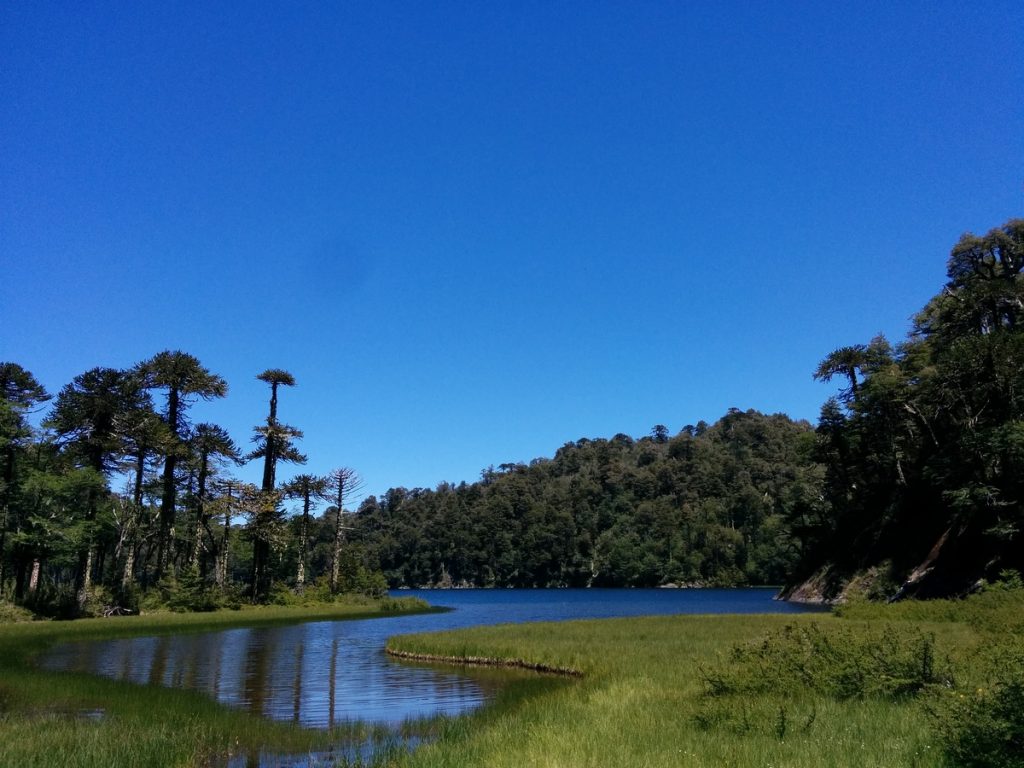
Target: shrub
(188, 592)
(843, 663)
(9, 613)
(985, 729)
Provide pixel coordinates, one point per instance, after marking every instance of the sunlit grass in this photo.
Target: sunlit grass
(643, 699)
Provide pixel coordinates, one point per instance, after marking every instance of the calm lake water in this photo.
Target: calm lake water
(324, 673)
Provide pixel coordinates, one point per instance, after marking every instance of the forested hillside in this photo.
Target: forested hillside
(924, 444)
(709, 506)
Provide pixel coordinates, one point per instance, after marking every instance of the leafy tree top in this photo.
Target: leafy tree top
(19, 387)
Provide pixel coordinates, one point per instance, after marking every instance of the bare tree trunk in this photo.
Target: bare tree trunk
(128, 573)
(222, 564)
(300, 576)
(5, 517)
(85, 579)
(167, 500)
(3, 543)
(339, 538)
(33, 580)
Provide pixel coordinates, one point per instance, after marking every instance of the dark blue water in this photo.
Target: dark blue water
(325, 673)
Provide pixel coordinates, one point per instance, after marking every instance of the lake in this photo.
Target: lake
(324, 673)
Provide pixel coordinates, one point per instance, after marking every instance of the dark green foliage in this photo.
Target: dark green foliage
(923, 448)
(711, 508)
(189, 592)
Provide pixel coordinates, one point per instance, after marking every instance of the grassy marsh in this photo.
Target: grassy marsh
(644, 698)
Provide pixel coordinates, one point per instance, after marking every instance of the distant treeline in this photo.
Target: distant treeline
(711, 506)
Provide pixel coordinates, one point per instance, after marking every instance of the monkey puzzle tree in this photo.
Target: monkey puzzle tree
(310, 489)
(86, 417)
(144, 435)
(344, 484)
(210, 445)
(184, 378)
(19, 394)
(922, 453)
(274, 443)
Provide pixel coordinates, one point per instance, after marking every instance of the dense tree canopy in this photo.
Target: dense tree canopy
(923, 451)
(708, 506)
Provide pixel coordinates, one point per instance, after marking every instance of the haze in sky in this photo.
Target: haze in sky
(475, 231)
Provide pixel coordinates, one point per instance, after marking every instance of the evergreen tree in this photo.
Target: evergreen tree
(274, 444)
(20, 393)
(184, 378)
(309, 489)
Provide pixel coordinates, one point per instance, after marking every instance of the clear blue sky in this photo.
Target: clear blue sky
(476, 231)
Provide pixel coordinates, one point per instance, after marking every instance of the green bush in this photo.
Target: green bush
(10, 613)
(189, 592)
(985, 729)
(843, 663)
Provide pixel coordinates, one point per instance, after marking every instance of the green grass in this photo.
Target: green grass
(72, 719)
(644, 698)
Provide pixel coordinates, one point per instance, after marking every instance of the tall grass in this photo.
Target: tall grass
(869, 689)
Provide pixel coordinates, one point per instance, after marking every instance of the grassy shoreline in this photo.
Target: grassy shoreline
(52, 718)
(639, 692)
(644, 698)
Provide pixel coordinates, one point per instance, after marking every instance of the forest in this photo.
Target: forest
(111, 498)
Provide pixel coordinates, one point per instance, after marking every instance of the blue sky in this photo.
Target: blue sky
(475, 231)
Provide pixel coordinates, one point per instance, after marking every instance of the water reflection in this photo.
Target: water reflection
(305, 673)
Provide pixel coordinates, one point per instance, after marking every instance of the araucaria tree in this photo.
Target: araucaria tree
(183, 378)
(210, 445)
(344, 484)
(309, 489)
(20, 393)
(274, 443)
(86, 419)
(170, 530)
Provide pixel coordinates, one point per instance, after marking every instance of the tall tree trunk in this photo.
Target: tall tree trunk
(128, 571)
(33, 579)
(339, 538)
(83, 575)
(5, 510)
(222, 563)
(201, 520)
(167, 500)
(3, 544)
(131, 534)
(300, 576)
(260, 544)
(84, 580)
